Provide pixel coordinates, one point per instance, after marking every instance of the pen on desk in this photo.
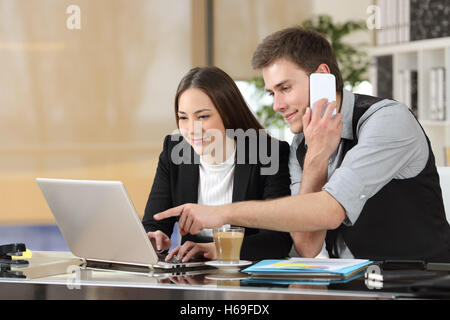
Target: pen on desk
(401, 275)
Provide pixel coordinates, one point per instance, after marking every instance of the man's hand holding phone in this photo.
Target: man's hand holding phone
(323, 126)
(322, 133)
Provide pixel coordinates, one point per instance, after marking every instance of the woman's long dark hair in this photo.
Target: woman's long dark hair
(224, 94)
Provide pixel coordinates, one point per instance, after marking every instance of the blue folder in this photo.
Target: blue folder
(257, 269)
(316, 282)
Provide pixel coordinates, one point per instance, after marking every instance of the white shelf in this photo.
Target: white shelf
(414, 46)
(422, 56)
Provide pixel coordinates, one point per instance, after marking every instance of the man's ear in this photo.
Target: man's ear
(323, 68)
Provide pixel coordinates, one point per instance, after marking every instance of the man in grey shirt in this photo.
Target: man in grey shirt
(384, 152)
(364, 181)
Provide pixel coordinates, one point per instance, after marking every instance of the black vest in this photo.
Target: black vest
(404, 220)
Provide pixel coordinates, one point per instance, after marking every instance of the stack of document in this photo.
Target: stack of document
(304, 268)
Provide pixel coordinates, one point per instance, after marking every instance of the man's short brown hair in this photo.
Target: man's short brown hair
(308, 49)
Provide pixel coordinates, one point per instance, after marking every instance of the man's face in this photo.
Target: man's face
(289, 86)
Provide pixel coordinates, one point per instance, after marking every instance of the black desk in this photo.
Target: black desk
(60, 275)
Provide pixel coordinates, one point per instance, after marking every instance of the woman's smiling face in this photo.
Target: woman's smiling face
(198, 120)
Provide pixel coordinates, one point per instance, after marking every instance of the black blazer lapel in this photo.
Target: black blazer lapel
(188, 178)
(241, 180)
(242, 173)
(189, 182)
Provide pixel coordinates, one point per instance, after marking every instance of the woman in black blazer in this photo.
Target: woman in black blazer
(208, 105)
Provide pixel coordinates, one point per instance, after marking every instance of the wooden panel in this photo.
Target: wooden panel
(241, 25)
(21, 200)
(88, 103)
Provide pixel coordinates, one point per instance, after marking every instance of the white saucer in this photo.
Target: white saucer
(228, 265)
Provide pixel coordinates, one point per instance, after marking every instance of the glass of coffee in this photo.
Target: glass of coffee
(228, 242)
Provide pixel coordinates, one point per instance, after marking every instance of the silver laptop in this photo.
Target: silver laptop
(100, 224)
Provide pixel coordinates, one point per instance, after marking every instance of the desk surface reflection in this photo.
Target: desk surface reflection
(60, 275)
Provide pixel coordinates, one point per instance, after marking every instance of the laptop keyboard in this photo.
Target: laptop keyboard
(174, 260)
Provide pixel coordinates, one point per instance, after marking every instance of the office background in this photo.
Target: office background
(93, 98)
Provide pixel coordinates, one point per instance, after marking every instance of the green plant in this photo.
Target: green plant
(353, 62)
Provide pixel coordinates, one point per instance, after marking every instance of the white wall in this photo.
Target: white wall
(344, 10)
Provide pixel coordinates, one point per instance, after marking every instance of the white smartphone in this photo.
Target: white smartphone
(322, 85)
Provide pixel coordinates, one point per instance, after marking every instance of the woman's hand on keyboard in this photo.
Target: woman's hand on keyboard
(160, 240)
(191, 250)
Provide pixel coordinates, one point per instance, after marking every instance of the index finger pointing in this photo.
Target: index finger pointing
(173, 212)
